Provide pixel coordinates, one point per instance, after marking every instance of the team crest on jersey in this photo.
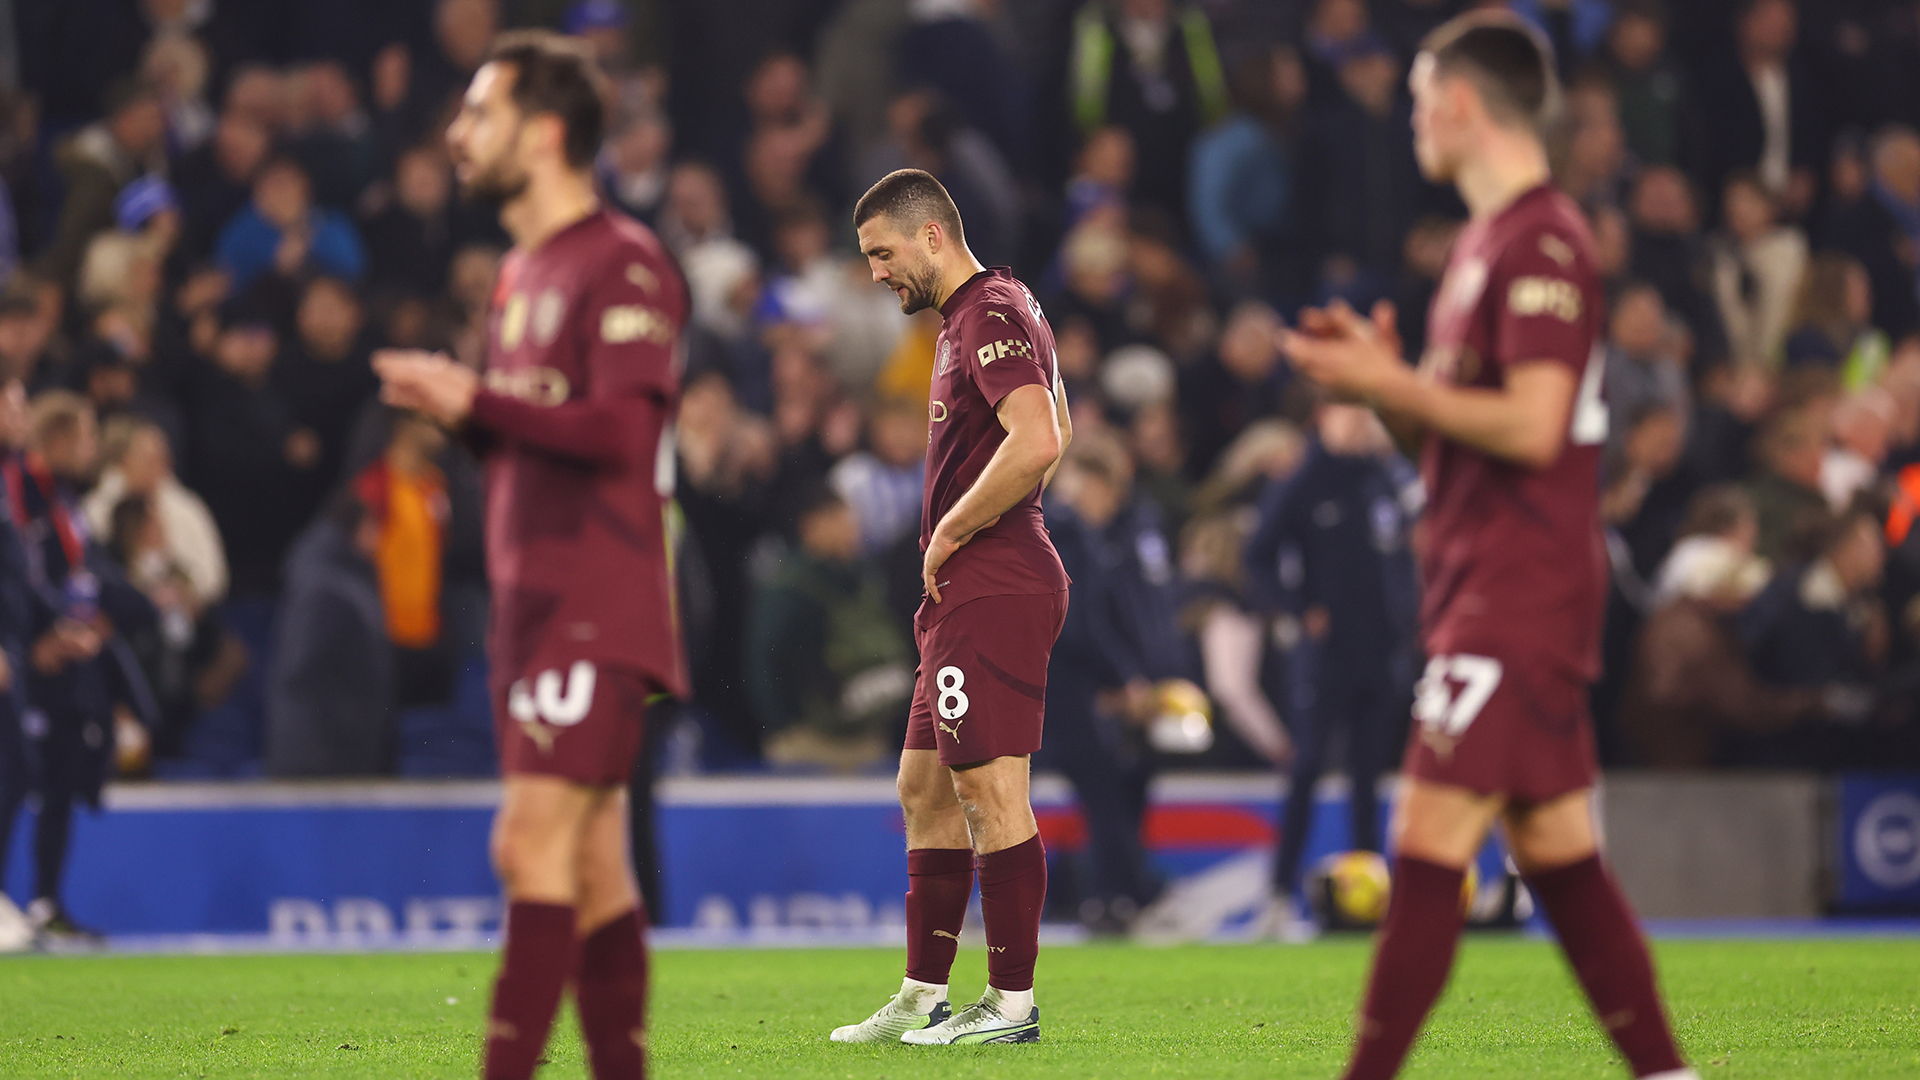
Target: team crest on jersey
(946, 357)
(643, 277)
(547, 312)
(513, 321)
(1463, 285)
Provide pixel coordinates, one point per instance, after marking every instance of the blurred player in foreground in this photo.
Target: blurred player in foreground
(1507, 408)
(571, 421)
(996, 597)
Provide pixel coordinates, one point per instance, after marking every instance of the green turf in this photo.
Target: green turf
(1825, 1009)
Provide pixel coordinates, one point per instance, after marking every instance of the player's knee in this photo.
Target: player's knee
(924, 797)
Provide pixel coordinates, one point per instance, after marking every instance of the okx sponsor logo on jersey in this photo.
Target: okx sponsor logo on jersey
(987, 354)
(554, 703)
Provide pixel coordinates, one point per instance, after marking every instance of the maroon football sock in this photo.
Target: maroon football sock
(611, 992)
(1410, 965)
(1604, 948)
(939, 883)
(1013, 889)
(540, 956)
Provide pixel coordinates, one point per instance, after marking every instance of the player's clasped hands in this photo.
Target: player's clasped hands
(430, 383)
(1339, 349)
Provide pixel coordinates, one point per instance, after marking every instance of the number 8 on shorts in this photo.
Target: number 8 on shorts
(953, 701)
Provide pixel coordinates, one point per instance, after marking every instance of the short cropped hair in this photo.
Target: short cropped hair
(554, 74)
(1506, 58)
(911, 197)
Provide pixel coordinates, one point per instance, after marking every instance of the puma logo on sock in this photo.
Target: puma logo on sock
(944, 934)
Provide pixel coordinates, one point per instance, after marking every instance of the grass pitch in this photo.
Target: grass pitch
(1774, 1009)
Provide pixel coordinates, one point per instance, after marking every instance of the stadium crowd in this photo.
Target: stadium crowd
(200, 261)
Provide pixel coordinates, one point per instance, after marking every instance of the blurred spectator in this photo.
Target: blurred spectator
(1149, 66)
(1818, 625)
(1655, 101)
(1358, 172)
(1333, 550)
(330, 134)
(79, 675)
(139, 464)
(1241, 382)
(1098, 686)
(1093, 262)
(829, 302)
(330, 696)
(1334, 30)
(1170, 306)
(411, 239)
(951, 48)
(829, 671)
(1240, 186)
(1757, 265)
(1161, 457)
(325, 373)
(727, 460)
(1102, 179)
(283, 232)
(1786, 491)
(1764, 108)
(1862, 427)
(883, 483)
(634, 163)
(1832, 322)
(1882, 231)
(405, 496)
(1643, 371)
(462, 31)
(176, 66)
(29, 350)
(247, 455)
(1668, 252)
(782, 155)
(216, 179)
(1691, 687)
(1240, 666)
(95, 164)
(925, 132)
(1593, 168)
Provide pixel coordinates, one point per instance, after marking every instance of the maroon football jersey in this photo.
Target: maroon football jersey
(575, 424)
(993, 340)
(1513, 562)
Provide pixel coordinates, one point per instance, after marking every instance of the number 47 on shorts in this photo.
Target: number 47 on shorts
(1453, 690)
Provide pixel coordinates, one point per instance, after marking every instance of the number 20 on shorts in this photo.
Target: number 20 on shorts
(1453, 690)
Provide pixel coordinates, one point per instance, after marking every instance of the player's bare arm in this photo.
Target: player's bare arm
(1025, 459)
(1065, 416)
(1524, 421)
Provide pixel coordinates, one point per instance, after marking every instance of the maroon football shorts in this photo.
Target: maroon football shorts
(1501, 726)
(581, 722)
(981, 691)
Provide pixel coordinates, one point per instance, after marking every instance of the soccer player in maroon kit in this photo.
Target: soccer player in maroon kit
(572, 422)
(1506, 406)
(996, 595)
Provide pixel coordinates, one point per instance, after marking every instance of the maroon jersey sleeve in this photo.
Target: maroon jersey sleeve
(1540, 294)
(628, 335)
(1002, 351)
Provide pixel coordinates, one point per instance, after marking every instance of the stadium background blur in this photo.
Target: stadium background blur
(215, 210)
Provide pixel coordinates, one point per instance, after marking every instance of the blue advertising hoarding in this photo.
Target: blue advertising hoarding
(1878, 843)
